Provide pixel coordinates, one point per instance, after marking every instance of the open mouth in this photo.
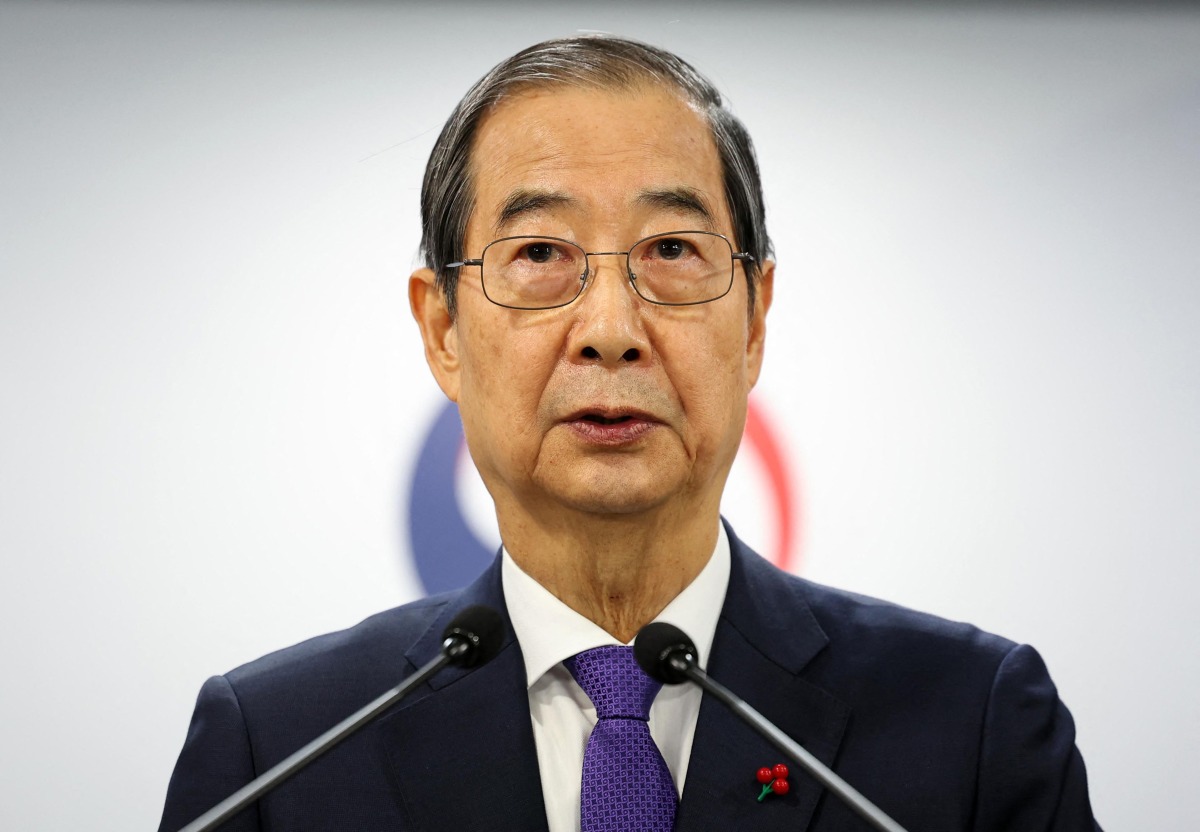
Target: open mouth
(604, 420)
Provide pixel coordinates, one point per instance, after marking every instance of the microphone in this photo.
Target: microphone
(472, 638)
(667, 654)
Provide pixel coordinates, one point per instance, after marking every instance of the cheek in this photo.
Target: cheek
(711, 379)
(502, 379)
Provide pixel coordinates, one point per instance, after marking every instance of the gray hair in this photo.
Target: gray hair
(598, 62)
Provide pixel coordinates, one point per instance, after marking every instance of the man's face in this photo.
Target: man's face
(611, 404)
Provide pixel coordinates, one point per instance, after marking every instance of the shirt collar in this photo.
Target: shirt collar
(550, 631)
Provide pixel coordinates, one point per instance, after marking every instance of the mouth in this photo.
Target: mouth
(610, 426)
(604, 420)
(609, 416)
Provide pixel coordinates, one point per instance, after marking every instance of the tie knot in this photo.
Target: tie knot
(611, 678)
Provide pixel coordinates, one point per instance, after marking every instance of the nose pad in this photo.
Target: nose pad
(589, 272)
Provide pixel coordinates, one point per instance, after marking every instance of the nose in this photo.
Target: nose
(610, 328)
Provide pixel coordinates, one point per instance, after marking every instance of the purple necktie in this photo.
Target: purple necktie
(626, 784)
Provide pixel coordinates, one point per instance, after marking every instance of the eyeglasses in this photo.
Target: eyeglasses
(679, 268)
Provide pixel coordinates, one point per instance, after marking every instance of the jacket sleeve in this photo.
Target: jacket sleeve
(215, 762)
(1031, 775)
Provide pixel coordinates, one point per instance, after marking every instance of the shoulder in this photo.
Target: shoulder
(980, 712)
(845, 620)
(857, 644)
(947, 691)
(881, 650)
(350, 665)
(852, 618)
(257, 714)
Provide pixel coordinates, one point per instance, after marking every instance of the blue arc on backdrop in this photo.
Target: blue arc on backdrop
(446, 552)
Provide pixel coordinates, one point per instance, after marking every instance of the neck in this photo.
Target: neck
(617, 571)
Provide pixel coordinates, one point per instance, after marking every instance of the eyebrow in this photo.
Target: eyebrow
(683, 200)
(525, 202)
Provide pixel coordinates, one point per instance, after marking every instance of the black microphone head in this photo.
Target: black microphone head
(474, 636)
(656, 645)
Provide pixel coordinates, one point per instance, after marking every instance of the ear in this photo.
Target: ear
(756, 343)
(438, 331)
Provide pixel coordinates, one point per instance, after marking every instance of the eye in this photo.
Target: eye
(541, 251)
(532, 257)
(670, 249)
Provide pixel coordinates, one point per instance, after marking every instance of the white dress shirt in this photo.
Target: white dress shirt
(563, 717)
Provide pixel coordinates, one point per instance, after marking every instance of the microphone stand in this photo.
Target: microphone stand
(452, 649)
(867, 810)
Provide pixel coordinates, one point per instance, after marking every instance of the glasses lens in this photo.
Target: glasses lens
(682, 267)
(533, 272)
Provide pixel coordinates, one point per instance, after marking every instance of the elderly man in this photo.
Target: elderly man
(595, 301)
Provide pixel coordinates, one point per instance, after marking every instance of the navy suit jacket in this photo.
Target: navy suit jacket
(944, 727)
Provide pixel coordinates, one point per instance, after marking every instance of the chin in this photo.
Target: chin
(611, 504)
(614, 492)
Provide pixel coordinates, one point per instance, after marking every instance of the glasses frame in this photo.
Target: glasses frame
(585, 278)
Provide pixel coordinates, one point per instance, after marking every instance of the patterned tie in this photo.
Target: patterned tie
(626, 784)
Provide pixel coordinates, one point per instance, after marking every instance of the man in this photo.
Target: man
(595, 302)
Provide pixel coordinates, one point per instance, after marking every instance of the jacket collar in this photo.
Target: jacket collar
(462, 754)
(766, 636)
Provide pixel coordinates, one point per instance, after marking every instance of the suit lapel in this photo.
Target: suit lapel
(765, 637)
(461, 754)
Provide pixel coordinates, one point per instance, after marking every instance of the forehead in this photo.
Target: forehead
(608, 157)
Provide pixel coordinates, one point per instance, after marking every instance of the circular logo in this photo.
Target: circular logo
(448, 553)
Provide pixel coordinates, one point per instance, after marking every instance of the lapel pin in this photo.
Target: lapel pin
(774, 780)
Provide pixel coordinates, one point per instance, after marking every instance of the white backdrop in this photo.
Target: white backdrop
(982, 361)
